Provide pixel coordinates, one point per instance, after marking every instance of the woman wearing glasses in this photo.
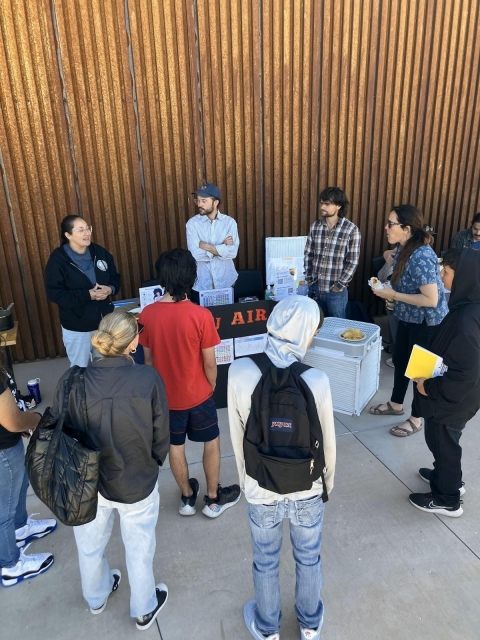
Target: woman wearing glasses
(128, 422)
(80, 277)
(419, 304)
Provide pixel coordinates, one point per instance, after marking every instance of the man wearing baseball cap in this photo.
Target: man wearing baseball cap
(212, 238)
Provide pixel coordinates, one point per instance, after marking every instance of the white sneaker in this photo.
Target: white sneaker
(28, 566)
(34, 530)
(249, 617)
(311, 634)
(145, 622)
(389, 363)
(187, 504)
(117, 576)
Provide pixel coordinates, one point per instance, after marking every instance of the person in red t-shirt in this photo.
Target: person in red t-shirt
(179, 341)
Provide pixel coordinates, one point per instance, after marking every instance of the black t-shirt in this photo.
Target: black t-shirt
(7, 438)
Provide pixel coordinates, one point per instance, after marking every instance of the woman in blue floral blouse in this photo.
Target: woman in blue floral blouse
(420, 304)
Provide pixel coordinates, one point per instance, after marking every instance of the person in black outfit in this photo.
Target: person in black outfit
(80, 277)
(448, 402)
(128, 422)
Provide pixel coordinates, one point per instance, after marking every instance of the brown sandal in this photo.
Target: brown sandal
(403, 433)
(376, 411)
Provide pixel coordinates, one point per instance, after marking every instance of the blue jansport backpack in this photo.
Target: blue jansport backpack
(283, 442)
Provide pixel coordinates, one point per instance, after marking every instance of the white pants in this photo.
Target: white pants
(78, 346)
(137, 524)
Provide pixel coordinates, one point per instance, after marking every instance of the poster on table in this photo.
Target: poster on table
(284, 264)
(216, 297)
(224, 352)
(148, 295)
(285, 274)
(249, 345)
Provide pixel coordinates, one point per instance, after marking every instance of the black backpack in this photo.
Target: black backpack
(283, 442)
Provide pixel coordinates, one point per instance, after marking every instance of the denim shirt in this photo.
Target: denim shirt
(421, 268)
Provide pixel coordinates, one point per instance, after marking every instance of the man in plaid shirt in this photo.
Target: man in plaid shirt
(331, 253)
(464, 239)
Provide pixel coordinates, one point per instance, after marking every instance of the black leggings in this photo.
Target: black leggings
(408, 334)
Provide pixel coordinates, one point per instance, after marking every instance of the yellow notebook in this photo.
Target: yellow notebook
(424, 364)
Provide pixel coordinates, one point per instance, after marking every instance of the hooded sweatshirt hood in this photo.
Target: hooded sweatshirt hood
(466, 283)
(290, 327)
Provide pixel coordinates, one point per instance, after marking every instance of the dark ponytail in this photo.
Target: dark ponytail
(410, 216)
(66, 226)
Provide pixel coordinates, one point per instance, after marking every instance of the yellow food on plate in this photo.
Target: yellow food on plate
(352, 334)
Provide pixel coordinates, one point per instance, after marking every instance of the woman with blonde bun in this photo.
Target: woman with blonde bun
(128, 422)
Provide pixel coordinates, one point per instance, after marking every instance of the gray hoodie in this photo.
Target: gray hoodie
(291, 327)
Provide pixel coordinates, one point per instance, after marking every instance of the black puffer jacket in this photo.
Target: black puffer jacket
(128, 422)
(69, 287)
(455, 397)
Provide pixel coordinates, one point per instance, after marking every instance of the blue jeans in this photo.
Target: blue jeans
(13, 498)
(137, 525)
(306, 519)
(332, 304)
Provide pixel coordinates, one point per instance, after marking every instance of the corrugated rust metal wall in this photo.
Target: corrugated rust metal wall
(117, 109)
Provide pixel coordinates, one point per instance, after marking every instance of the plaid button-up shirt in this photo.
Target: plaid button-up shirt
(331, 255)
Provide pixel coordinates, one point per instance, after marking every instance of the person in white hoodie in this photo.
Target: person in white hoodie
(291, 328)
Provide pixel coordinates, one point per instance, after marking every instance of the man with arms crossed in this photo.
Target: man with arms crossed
(331, 253)
(212, 239)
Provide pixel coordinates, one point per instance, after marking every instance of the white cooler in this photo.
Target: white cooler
(353, 368)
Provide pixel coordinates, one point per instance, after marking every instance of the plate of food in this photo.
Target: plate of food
(352, 335)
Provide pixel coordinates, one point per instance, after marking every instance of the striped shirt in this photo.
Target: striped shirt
(331, 255)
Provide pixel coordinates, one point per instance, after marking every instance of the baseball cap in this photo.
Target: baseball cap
(208, 189)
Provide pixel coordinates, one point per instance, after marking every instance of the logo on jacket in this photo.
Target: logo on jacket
(281, 424)
(102, 265)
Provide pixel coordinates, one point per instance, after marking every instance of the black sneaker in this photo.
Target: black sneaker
(425, 475)
(226, 497)
(187, 503)
(427, 502)
(145, 622)
(117, 576)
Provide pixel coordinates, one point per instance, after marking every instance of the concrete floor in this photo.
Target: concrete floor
(390, 571)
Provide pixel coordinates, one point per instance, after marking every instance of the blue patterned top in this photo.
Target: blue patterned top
(421, 268)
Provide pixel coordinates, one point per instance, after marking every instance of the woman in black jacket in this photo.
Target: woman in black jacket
(448, 402)
(128, 422)
(80, 277)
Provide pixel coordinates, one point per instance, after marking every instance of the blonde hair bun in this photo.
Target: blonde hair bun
(103, 342)
(115, 332)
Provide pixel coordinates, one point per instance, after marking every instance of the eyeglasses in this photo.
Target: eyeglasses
(202, 200)
(82, 230)
(391, 224)
(141, 327)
